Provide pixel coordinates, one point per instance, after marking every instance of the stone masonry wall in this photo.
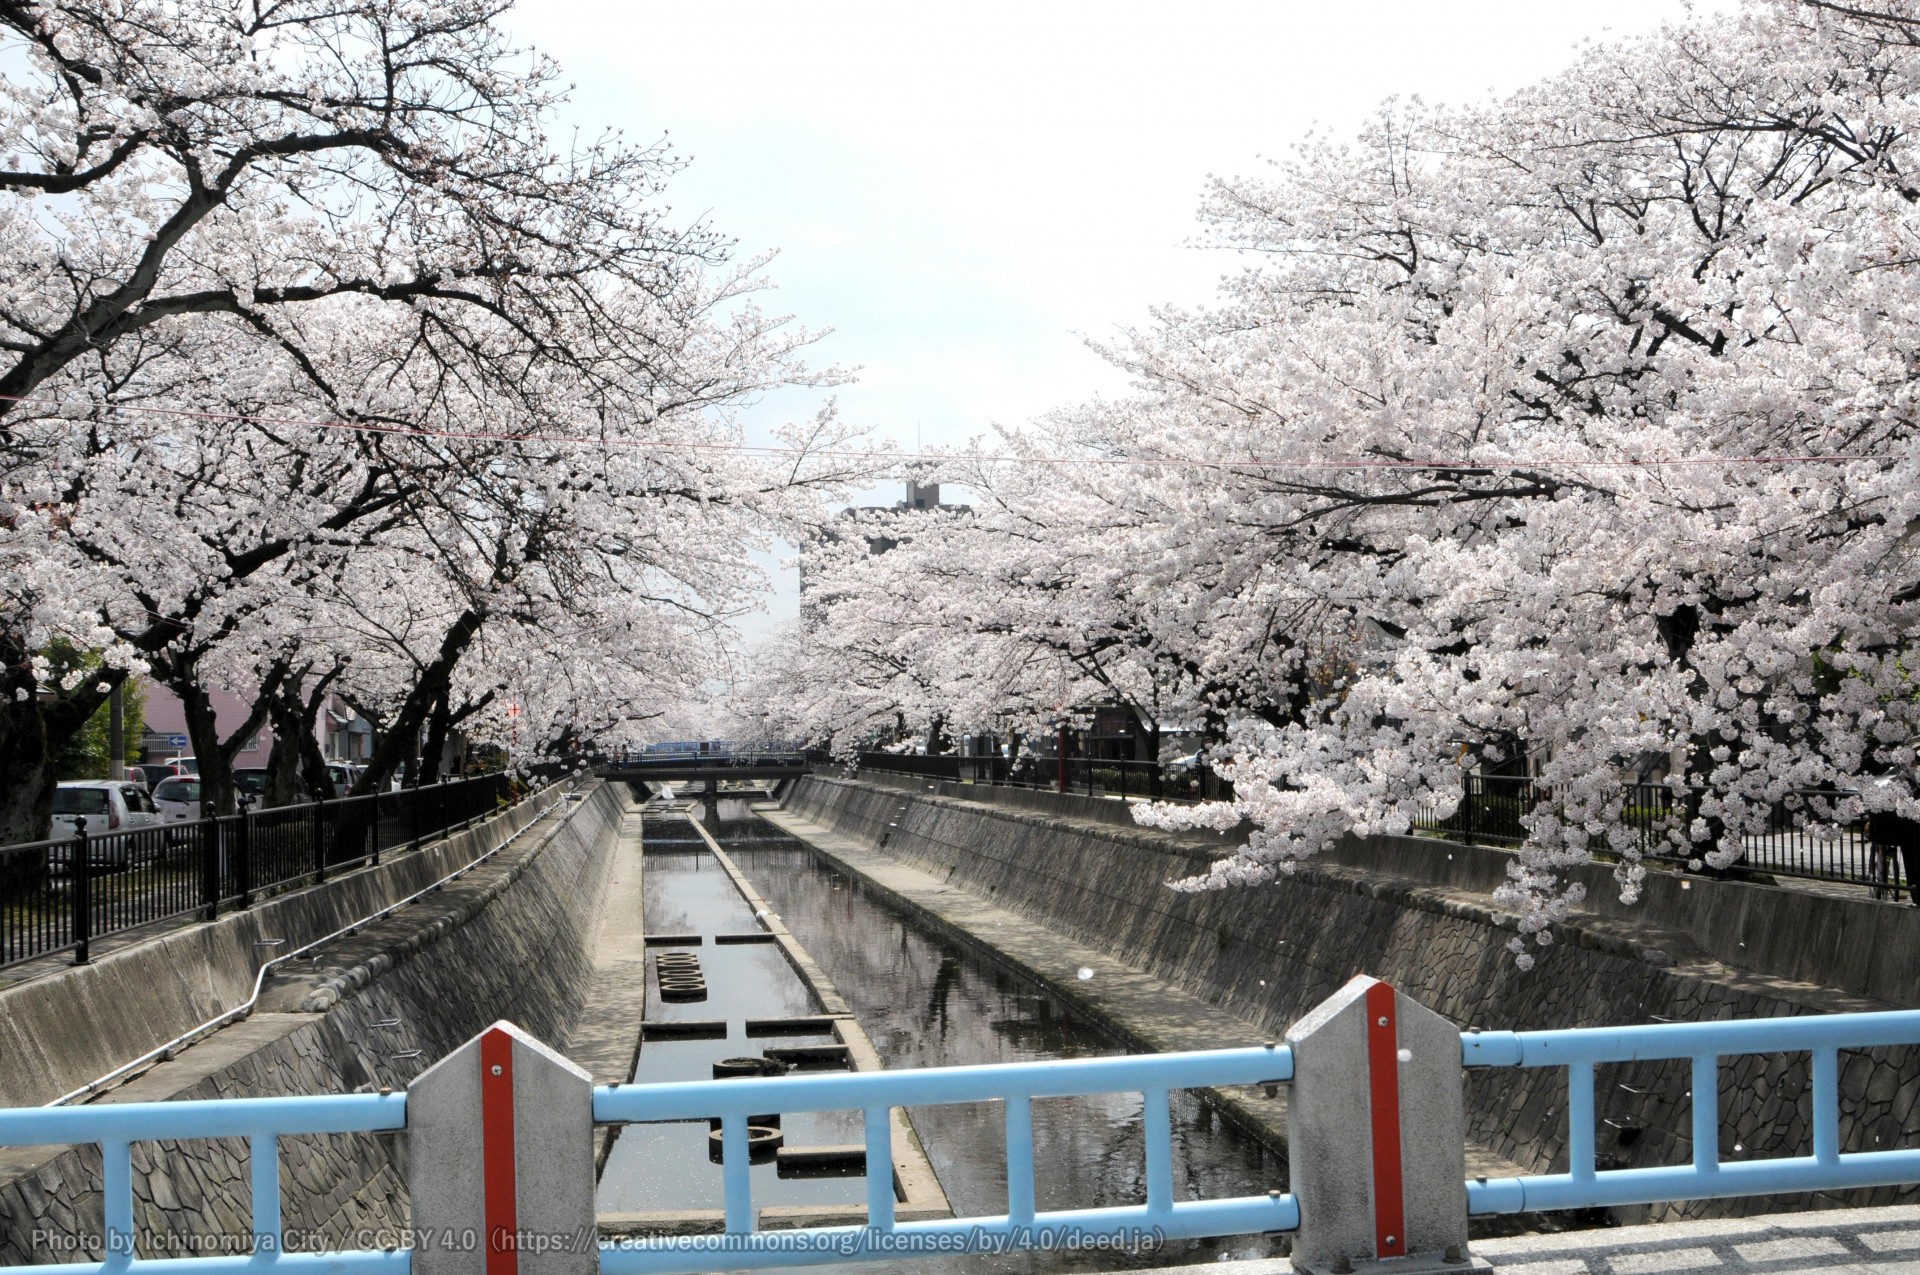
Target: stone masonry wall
(1271, 953)
(512, 939)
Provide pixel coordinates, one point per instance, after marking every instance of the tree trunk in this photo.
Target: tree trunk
(32, 731)
(285, 786)
(26, 809)
(439, 722)
(180, 670)
(297, 770)
(403, 732)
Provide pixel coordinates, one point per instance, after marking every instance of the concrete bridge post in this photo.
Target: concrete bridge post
(1376, 1133)
(500, 1161)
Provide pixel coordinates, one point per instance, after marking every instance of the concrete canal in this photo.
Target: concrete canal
(922, 1001)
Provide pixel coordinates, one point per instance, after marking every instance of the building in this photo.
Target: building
(166, 734)
(920, 496)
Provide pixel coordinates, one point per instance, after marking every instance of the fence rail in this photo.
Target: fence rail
(1349, 1201)
(1091, 776)
(115, 1127)
(1493, 809)
(1580, 1050)
(61, 895)
(1016, 1086)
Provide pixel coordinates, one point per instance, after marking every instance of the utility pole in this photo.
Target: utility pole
(117, 731)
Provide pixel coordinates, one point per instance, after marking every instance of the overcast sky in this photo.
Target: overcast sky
(965, 194)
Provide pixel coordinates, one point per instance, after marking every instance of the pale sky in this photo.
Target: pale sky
(965, 194)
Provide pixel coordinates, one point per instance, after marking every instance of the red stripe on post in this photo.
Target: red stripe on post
(1383, 1073)
(501, 1218)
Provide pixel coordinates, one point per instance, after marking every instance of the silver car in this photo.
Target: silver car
(109, 806)
(178, 799)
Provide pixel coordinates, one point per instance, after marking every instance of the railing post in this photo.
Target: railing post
(499, 1144)
(1376, 1135)
(243, 854)
(1061, 750)
(413, 814)
(319, 838)
(210, 838)
(1466, 809)
(80, 892)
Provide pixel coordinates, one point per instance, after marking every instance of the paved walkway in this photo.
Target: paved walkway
(1148, 1012)
(1884, 1241)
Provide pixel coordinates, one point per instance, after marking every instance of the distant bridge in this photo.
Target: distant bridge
(707, 768)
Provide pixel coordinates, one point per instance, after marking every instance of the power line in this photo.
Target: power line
(886, 455)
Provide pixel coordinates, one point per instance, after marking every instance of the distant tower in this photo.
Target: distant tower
(923, 495)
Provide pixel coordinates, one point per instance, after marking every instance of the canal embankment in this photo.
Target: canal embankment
(511, 938)
(1055, 892)
(1149, 1012)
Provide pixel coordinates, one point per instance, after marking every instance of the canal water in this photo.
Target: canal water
(689, 896)
(926, 1001)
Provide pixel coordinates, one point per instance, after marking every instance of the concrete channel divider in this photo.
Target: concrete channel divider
(917, 1191)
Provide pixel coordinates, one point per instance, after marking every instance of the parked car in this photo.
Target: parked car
(108, 806)
(250, 782)
(344, 775)
(155, 773)
(177, 798)
(187, 765)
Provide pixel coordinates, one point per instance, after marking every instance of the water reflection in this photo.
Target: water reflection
(686, 893)
(926, 1002)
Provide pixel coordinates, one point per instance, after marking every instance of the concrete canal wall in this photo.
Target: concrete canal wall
(1423, 921)
(511, 939)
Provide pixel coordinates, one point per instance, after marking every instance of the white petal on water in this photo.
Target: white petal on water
(1085, 973)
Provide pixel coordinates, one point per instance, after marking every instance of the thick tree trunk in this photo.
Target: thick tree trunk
(403, 732)
(297, 770)
(285, 785)
(181, 673)
(26, 809)
(439, 723)
(33, 729)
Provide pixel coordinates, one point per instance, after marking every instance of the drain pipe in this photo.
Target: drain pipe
(240, 1011)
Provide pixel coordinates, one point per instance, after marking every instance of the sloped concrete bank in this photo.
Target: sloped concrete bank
(510, 939)
(1269, 954)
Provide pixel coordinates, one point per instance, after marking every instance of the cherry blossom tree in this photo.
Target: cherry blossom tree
(1574, 430)
(280, 284)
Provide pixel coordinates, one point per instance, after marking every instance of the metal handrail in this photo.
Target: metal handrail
(1580, 1050)
(262, 1121)
(1017, 1085)
(875, 1094)
(260, 977)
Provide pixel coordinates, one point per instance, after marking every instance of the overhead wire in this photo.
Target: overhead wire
(893, 456)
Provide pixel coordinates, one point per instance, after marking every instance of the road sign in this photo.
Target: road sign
(176, 741)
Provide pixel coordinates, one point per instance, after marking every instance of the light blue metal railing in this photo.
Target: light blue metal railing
(115, 1127)
(263, 1121)
(875, 1094)
(1580, 1050)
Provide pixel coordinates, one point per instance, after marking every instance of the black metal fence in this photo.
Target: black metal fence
(1799, 839)
(61, 895)
(1090, 776)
